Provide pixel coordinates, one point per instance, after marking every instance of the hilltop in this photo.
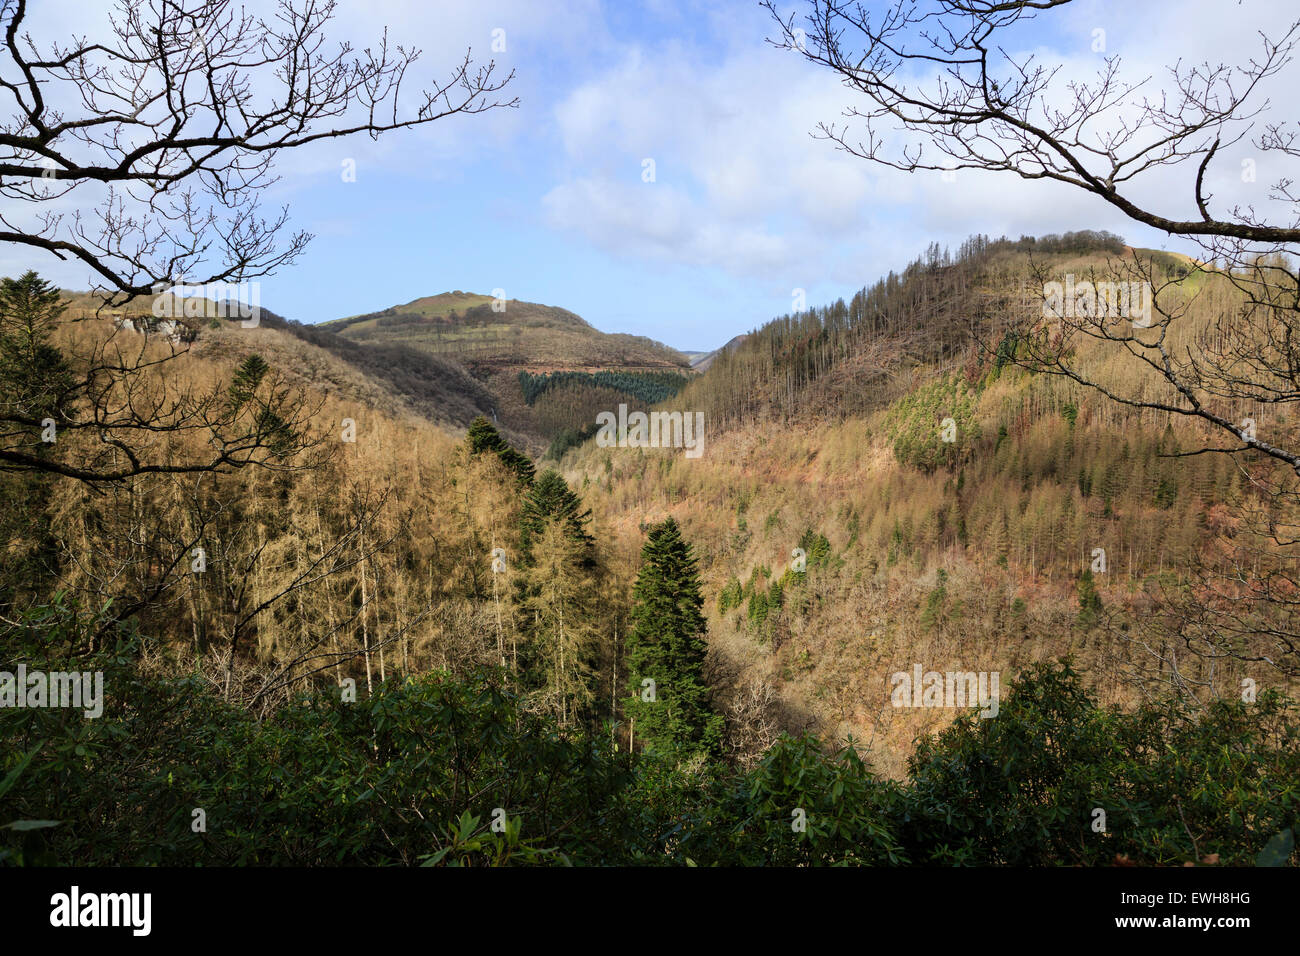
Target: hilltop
(498, 341)
(482, 331)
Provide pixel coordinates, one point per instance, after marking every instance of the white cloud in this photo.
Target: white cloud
(660, 222)
(743, 186)
(739, 183)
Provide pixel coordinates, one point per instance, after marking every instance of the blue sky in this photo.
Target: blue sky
(548, 201)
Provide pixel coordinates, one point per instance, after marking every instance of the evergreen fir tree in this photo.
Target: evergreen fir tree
(34, 377)
(483, 437)
(552, 596)
(550, 498)
(273, 430)
(36, 383)
(559, 627)
(1089, 600)
(666, 646)
(246, 379)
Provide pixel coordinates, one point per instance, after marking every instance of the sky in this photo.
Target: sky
(550, 201)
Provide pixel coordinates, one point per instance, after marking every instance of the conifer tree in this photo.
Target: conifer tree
(559, 625)
(666, 646)
(550, 498)
(483, 437)
(246, 379)
(552, 595)
(34, 378)
(35, 381)
(1089, 600)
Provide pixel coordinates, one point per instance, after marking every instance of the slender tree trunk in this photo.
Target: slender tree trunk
(496, 601)
(365, 630)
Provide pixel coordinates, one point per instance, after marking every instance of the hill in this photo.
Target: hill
(484, 332)
(541, 373)
(448, 358)
(496, 341)
(702, 360)
(976, 554)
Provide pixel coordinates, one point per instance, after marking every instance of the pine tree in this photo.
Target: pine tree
(483, 437)
(552, 595)
(560, 646)
(935, 615)
(29, 307)
(269, 423)
(666, 649)
(33, 373)
(246, 379)
(551, 499)
(35, 384)
(1089, 600)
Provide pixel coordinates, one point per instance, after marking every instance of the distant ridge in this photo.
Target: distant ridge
(487, 332)
(702, 362)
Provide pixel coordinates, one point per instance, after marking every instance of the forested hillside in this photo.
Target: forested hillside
(1053, 522)
(701, 652)
(547, 370)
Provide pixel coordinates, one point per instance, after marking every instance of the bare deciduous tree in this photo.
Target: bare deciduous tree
(169, 129)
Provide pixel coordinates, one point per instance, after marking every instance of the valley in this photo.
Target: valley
(824, 435)
(919, 486)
